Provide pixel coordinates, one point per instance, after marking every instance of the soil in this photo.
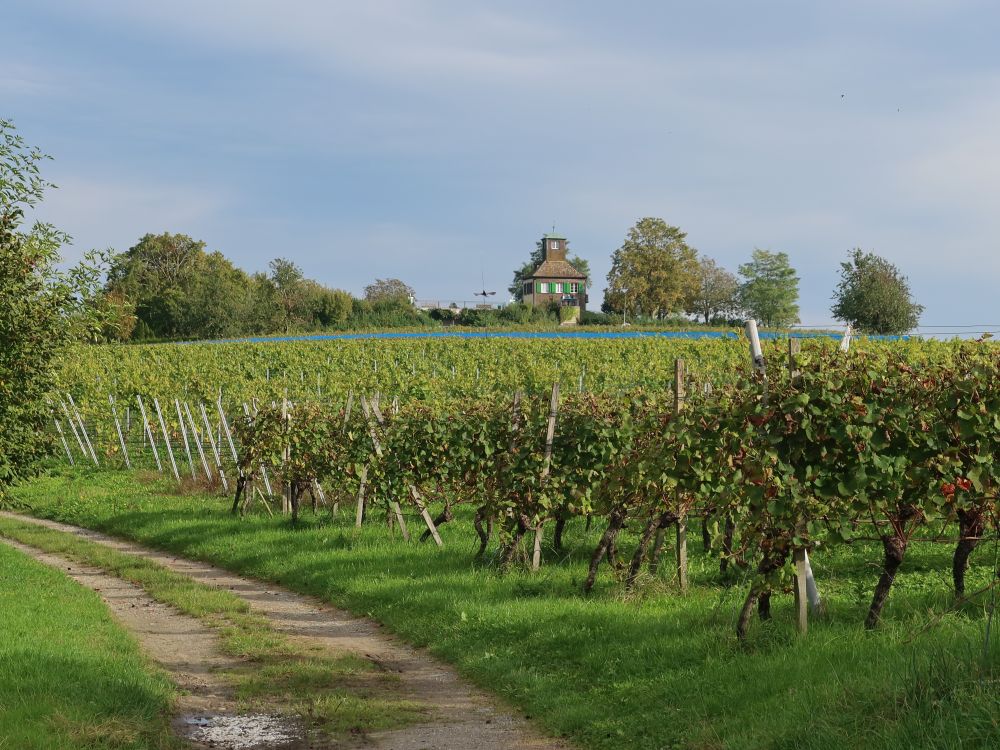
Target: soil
(461, 716)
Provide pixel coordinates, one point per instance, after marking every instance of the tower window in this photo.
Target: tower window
(553, 245)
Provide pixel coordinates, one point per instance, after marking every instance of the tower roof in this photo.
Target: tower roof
(556, 269)
(552, 236)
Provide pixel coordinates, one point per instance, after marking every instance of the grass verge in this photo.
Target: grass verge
(336, 695)
(656, 669)
(70, 676)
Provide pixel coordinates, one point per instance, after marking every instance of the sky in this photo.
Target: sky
(437, 141)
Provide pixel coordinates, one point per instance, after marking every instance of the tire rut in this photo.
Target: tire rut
(189, 652)
(463, 716)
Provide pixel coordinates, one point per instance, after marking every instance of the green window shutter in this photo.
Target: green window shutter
(566, 287)
(538, 287)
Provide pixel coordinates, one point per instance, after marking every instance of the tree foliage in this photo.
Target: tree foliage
(770, 289)
(873, 296)
(41, 308)
(382, 290)
(716, 293)
(654, 272)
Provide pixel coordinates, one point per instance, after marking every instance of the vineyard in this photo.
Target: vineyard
(815, 447)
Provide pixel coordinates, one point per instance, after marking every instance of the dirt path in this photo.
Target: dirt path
(189, 652)
(463, 717)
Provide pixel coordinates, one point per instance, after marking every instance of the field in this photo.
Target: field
(616, 556)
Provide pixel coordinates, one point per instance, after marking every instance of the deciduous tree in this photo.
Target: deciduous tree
(382, 290)
(770, 289)
(654, 271)
(716, 293)
(873, 296)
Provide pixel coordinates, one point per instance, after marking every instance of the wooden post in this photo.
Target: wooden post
(794, 347)
(166, 439)
(83, 429)
(426, 516)
(361, 497)
(550, 431)
(801, 596)
(286, 456)
(148, 432)
(398, 512)
(803, 570)
(197, 442)
(62, 436)
(72, 425)
(118, 429)
(184, 434)
(225, 428)
(680, 395)
(214, 447)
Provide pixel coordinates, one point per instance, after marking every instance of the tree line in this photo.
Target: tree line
(168, 286)
(656, 274)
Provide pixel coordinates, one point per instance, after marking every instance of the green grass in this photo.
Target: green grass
(655, 669)
(335, 694)
(70, 676)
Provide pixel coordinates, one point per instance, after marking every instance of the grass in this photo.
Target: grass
(655, 669)
(70, 676)
(335, 694)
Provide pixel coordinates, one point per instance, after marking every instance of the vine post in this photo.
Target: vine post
(286, 455)
(550, 431)
(118, 429)
(197, 442)
(681, 550)
(166, 439)
(62, 436)
(148, 432)
(184, 434)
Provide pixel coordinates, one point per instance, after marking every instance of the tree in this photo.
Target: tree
(329, 308)
(290, 293)
(873, 296)
(653, 272)
(179, 290)
(770, 289)
(716, 293)
(41, 308)
(383, 290)
(516, 287)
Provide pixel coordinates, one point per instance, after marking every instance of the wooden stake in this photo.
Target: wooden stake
(166, 439)
(215, 450)
(536, 556)
(225, 428)
(118, 428)
(83, 430)
(801, 596)
(286, 456)
(399, 519)
(361, 497)
(72, 425)
(148, 432)
(680, 395)
(426, 516)
(62, 436)
(197, 442)
(184, 434)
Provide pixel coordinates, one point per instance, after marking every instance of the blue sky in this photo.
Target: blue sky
(436, 141)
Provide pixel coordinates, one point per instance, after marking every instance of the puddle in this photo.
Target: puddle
(244, 732)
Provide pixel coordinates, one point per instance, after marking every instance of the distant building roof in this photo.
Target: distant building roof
(552, 236)
(556, 269)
